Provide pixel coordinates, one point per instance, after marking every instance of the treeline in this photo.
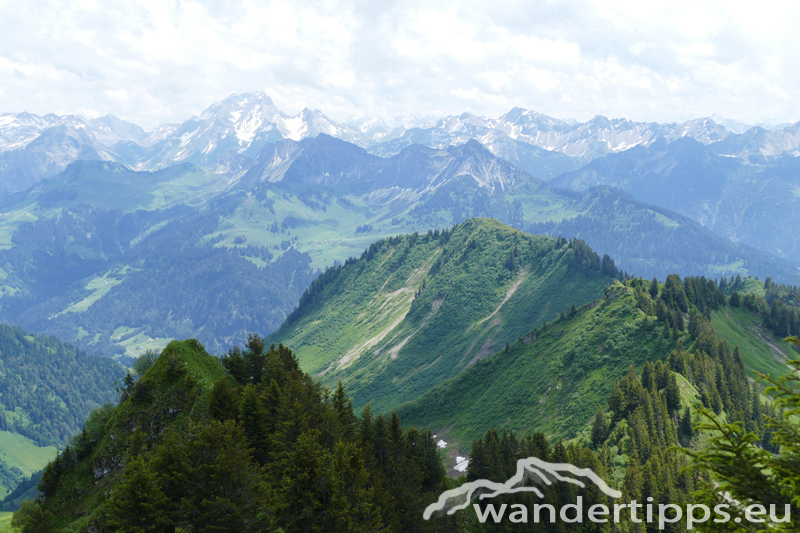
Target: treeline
(779, 307)
(262, 448)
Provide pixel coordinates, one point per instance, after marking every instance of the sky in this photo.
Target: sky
(161, 61)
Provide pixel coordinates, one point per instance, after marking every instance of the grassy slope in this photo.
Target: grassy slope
(762, 350)
(17, 450)
(20, 452)
(424, 309)
(555, 382)
(5, 522)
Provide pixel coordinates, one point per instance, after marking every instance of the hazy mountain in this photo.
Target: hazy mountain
(87, 251)
(242, 123)
(584, 141)
(751, 204)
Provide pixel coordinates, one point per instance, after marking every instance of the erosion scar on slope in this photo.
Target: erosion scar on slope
(509, 293)
(404, 297)
(511, 290)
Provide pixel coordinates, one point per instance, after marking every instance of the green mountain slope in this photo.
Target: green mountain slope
(554, 378)
(47, 389)
(416, 310)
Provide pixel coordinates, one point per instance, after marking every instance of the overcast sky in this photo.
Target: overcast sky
(158, 61)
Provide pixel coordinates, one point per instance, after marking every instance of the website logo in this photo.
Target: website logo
(533, 473)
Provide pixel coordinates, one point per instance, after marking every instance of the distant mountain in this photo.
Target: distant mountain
(241, 124)
(585, 141)
(421, 188)
(753, 204)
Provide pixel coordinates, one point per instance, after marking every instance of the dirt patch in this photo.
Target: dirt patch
(487, 349)
(509, 293)
(435, 306)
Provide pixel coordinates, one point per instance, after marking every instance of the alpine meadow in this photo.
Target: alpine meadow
(434, 309)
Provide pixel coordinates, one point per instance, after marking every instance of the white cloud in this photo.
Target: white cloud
(155, 61)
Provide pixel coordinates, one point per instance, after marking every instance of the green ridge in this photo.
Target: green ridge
(416, 310)
(554, 379)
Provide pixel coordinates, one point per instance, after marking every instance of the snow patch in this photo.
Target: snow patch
(186, 137)
(296, 128)
(441, 444)
(461, 464)
(247, 128)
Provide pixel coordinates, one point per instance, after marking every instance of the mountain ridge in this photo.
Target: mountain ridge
(243, 123)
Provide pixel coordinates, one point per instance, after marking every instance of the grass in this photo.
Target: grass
(21, 452)
(552, 383)
(5, 522)
(141, 342)
(761, 350)
(99, 287)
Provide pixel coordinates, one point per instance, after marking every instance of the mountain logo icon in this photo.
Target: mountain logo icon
(531, 469)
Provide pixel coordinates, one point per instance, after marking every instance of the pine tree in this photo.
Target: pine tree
(673, 394)
(654, 289)
(735, 301)
(343, 408)
(137, 503)
(253, 421)
(686, 423)
(31, 517)
(599, 428)
(223, 404)
(48, 484)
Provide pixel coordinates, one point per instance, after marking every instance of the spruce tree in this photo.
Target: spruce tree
(673, 394)
(137, 503)
(599, 428)
(654, 289)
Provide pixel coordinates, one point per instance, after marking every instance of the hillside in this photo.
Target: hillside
(47, 389)
(245, 443)
(416, 310)
(555, 377)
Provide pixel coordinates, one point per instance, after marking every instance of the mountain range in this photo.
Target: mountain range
(86, 253)
(260, 199)
(33, 147)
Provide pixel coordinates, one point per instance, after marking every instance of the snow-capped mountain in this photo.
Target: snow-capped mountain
(18, 129)
(240, 125)
(587, 140)
(33, 147)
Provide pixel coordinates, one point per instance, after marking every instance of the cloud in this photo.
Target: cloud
(156, 61)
